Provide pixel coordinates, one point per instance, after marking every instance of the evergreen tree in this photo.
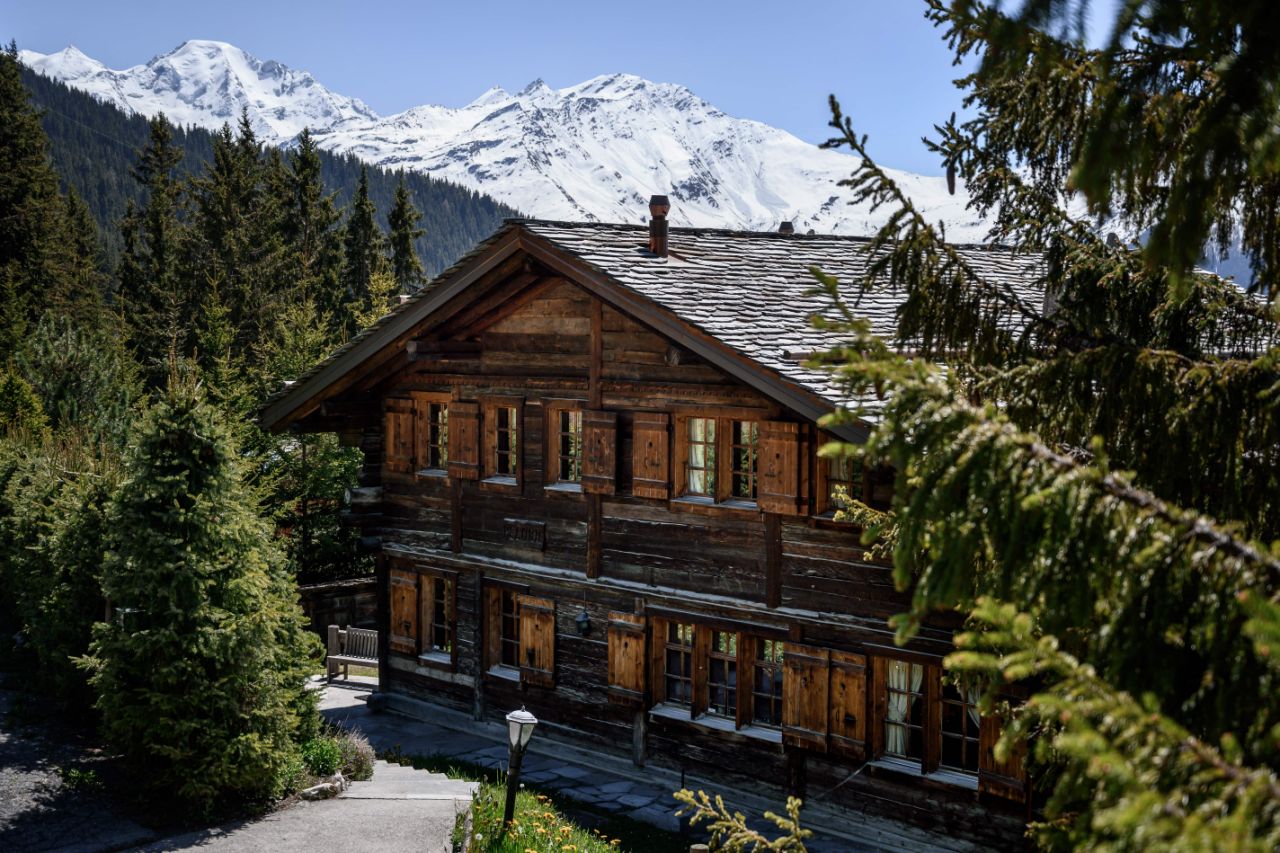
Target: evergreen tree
(200, 674)
(362, 255)
(403, 222)
(1139, 604)
(46, 256)
(310, 229)
(157, 293)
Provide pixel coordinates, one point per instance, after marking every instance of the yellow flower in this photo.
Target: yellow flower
(617, 842)
(566, 830)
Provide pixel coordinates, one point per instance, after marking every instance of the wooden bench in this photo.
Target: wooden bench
(348, 646)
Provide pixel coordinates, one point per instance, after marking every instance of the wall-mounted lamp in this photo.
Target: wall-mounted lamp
(584, 623)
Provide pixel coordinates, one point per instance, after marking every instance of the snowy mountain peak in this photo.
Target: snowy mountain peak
(595, 151)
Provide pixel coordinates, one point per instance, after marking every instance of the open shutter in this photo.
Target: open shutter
(626, 659)
(779, 487)
(650, 471)
(426, 611)
(464, 440)
(657, 660)
(847, 723)
(1008, 778)
(600, 456)
(492, 626)
(537, 640)
(404, 612)
(805, 696)
(398, 449)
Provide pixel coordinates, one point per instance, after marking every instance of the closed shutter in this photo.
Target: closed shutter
(847, 723)
(398, 450)
(805, 696)
(779, 487)
(650, 465)
(1008, 778)
(626, 659)
(404, 612)
(464, 440)
(537, 640)
(600, 452)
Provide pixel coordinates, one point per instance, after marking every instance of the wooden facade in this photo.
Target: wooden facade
(585, 504)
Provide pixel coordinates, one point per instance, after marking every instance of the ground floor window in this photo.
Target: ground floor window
(766, 685)
(905, 710)
(678, 664)
(509, 630)
(926, 717)
(719, 674)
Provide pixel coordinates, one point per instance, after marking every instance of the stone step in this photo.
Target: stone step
(396, 782)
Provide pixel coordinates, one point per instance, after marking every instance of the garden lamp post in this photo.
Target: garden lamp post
(520, 725)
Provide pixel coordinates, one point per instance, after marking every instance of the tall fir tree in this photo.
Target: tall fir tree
(311, 233)
(403, 220)
(362, 254)
(157, 292)
(200, 675)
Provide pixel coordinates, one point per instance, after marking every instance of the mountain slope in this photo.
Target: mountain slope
(94, 147)
(593, 151)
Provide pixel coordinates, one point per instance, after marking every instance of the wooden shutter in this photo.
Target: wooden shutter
(600, 452)
(1008, 778)
(847, 722)
(464, 440)
(398, 449)
(650, 443)
(658, 660)
(492, 626)
(779, 468)
(426, 611)
(404, 612)
(537, 640)
(627, 659)
(805, 704)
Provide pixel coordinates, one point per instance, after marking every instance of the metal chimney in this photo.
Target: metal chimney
(787, 228)
(659, 207)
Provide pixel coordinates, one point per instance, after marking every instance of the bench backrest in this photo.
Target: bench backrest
(361, 643)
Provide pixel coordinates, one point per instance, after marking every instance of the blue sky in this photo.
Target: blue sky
(771, 61)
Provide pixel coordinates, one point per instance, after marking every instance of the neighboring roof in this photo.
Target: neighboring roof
(750, 291)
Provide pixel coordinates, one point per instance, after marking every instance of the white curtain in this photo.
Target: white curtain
(901, 678)
(972, 696)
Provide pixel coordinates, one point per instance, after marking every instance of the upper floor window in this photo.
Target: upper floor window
(437, 437)
(717, 458)
(564, 446)
(503, 431)
(506, 457)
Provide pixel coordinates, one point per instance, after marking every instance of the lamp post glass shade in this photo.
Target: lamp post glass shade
(520, 726)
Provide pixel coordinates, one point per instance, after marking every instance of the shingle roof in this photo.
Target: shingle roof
(751, 290)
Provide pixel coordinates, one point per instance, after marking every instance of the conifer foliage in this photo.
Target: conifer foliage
(1094, 478)
(200, 674)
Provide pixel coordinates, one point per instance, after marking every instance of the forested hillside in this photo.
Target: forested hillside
(94, 146)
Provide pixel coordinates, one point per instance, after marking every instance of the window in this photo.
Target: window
(437, 436)
(564, 444)
(701, 465)
(509, 630)
(766, 683)
(440, 634)
(722, 675)
(742, 460)
(678, 666)
(844, 482)
(717, 459)
(502, 433)
(700, 672)
(960, 729)
(904, 714)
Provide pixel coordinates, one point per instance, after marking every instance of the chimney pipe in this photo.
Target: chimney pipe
(659, 207)
(787, 228)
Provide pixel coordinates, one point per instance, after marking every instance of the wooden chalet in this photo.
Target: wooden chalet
(591, 480)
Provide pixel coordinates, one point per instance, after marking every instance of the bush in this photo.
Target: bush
(357, 756)
(322, 755)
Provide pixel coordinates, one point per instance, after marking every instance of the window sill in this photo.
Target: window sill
(506, 673)
(438, 660)
(953, 778)
(708, 506)
(712, 722)
(434, 473)
(500, 484)
(563, 488)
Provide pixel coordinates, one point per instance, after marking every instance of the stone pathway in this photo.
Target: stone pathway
(603, 782)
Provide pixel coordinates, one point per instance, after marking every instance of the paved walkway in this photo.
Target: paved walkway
(601, 781)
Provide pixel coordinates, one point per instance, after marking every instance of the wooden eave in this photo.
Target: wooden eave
(389, 342)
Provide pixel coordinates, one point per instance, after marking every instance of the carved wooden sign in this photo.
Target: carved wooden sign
(531, 534)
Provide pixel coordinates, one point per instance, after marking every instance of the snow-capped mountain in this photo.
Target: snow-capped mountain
(593, 151)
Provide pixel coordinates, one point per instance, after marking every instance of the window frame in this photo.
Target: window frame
(423, 401)
(725, 420)
(490, 478)
(700, 652)
(931, 734)
(551, 456)
(428, 654)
